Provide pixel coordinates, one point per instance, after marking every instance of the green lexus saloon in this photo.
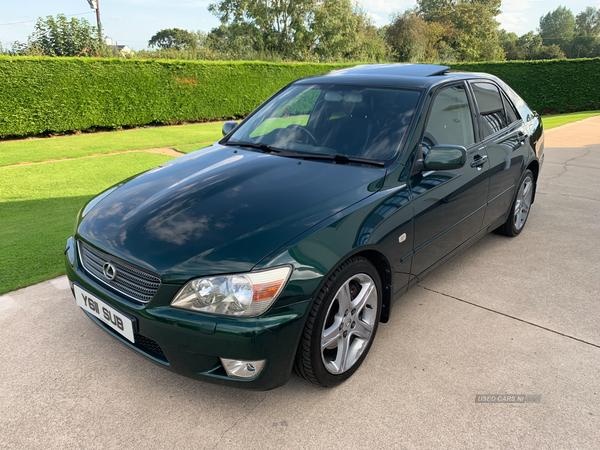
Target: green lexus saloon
(283, 246)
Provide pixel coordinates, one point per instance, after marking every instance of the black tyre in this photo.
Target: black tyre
(342, 324)
(519, 210)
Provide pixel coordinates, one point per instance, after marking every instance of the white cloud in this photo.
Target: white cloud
(510, 6)
(514, 18)
(515, 22)
(375, 17)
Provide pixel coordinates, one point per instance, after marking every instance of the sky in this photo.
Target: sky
(133, 22)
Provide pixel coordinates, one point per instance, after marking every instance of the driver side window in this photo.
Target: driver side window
(450, 120)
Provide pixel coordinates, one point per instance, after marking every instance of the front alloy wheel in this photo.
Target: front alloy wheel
(349, 323)
(341, 325)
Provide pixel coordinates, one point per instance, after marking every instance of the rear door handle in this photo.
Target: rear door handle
(479, 160)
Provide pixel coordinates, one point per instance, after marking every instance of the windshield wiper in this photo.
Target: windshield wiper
(264, 147)
(340, 158)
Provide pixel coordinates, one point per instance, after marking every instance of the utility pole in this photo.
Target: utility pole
(94, 4)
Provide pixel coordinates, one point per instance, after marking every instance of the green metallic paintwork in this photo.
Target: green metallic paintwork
(445, 157)
(193, 349)
(220, 210)
(363, 210)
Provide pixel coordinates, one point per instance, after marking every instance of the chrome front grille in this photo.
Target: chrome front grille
(131, 281)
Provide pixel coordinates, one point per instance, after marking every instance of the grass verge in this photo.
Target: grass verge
(563, 119)
(38, 204)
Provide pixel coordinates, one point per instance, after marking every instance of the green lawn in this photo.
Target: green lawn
(35, 150)
(38, 204)
(563, 119)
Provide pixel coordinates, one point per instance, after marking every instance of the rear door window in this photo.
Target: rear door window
(492, 115)
(511, 114)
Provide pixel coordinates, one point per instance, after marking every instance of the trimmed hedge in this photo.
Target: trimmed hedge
(40, 94)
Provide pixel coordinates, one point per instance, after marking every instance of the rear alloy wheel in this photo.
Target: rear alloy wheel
(521, 206)
(341, 325)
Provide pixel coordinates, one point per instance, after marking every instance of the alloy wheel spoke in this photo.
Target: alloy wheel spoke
(362, 329)
(330, 335)
(363, 296)
(527, 185)
(342, 355)
(343, 297)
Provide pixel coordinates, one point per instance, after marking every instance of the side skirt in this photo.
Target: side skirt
(458, 250)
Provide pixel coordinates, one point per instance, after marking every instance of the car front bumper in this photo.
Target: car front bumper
(191, 344)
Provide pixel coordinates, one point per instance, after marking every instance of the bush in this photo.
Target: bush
(42, 94)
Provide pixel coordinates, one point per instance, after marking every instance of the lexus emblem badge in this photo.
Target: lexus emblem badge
(109, 271)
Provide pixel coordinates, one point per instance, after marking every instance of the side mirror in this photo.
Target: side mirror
(228, 127)
(445, 157)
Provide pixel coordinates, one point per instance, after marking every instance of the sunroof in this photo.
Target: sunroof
(406, 70)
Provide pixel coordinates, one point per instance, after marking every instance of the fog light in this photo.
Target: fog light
(242, 369)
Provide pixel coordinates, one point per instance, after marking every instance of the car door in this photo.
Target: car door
(504, 136)
(449, 205)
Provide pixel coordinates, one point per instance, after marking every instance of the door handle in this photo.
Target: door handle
(479, 161)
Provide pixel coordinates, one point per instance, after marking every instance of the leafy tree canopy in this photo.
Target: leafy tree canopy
(61, 37)
(297, 29)
(173, 38)
(557, 26)
(471, 26)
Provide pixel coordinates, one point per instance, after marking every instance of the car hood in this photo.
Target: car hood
(219, 210)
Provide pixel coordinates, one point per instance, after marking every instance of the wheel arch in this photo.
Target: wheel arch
(534, 166)
(384, 269)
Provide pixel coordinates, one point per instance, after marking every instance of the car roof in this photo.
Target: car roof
(421, 76)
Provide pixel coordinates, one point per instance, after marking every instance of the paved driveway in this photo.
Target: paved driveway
(510, 316)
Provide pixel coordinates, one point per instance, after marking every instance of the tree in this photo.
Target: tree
(475, 36)
(586, 43)
(340, 29)
(61, 37)
(410, 38)
(509, 41)
(430, 9)
(265, 26)
(549, 52)
(529, 45)
(587, 22)
(296, 29)
(173, 38)
(557, 27)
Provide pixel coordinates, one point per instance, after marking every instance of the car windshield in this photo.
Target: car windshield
(355, 121)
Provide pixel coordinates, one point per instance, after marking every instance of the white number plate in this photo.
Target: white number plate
(107, 314)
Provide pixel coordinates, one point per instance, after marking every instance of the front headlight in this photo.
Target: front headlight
(248, 294)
